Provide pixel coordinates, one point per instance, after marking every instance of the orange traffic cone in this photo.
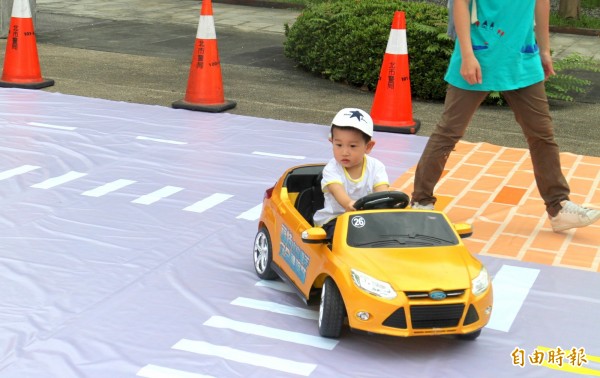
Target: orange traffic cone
(392, 105)
(21, 63)
(205, 87)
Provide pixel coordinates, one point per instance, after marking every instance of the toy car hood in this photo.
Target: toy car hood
(418, 269)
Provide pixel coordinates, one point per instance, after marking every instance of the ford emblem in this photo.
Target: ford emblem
(437, 295)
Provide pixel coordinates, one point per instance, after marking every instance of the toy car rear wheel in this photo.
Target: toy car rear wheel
(331, 310)
(470, 336)
(263, 255)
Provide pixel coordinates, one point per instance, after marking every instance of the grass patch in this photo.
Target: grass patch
(300, 2)
(584, 22)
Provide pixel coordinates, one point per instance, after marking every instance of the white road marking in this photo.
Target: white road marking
(273, 333)
(511, 286)
(252, 214)
(276, 308)
(296, 157)
(154, 371)
(208, 202)
(38, 124)
(17, 171)
(108, 188)
(255, 359)
(157, 195)
(276, 285)
(59, 180)
(168, 141)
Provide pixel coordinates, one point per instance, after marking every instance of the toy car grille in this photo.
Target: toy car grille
(436, 316)
(425, 294)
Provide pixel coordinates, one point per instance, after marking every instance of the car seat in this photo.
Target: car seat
(311, 199)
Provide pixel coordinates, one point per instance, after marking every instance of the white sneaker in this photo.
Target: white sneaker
(418, 206)
(572, 215)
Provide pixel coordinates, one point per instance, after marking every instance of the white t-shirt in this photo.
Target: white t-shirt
(373, 175)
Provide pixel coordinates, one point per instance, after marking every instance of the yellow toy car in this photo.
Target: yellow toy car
(388, 269)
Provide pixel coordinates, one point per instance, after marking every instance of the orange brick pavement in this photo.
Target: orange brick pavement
(493, 188)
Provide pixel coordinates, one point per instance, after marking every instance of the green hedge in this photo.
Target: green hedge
(345, 41)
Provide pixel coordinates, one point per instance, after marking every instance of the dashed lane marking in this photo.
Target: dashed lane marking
(108, 188)
(48, 126)
(296, 157)
(157, 195)
(209, 202)
(158, 140)
(59, 180)
(215, 199)
(17, 171)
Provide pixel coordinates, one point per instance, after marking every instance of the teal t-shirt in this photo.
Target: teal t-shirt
(504, 43)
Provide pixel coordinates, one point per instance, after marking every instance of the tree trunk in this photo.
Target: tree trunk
(569, 8)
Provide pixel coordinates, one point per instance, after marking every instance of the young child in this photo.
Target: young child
(351, 174)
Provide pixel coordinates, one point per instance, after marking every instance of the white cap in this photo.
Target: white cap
(353, 117)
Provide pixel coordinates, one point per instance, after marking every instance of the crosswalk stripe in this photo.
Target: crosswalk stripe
(276, 285)
(208, 202)
(276, 308)
(511, 287)
(17, 171)
(154, 371)
(59, 180)
(157, 195)
(255, 359)
(252, 214)
(108, 188)
(273, 333)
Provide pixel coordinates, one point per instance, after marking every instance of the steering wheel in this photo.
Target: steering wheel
(382, 200)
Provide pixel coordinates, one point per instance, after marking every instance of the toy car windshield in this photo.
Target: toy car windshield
(399, 230)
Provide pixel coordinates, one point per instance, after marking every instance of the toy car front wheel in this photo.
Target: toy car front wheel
(331, 310)
(263, 255)
(470, 336)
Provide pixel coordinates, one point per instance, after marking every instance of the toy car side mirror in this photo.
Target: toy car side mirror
(314, 235)
(464, 229)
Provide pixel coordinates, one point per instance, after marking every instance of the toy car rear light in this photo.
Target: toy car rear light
(269, 192)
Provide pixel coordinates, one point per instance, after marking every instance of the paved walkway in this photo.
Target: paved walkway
(493, 188)
(175, 11)
(247, 18)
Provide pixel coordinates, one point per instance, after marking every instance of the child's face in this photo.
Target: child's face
(349, 147)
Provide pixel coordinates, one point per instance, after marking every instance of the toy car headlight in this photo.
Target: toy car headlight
(373, 286)
(480, 283)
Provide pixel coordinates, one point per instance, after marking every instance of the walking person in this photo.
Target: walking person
(502, 45)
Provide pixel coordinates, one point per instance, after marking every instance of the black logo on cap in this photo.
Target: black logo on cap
(357, 114)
